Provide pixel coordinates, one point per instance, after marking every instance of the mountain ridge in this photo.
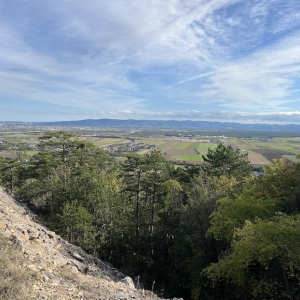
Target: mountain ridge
(170, 124)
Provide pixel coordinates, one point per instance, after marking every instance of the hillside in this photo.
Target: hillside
(35, 263)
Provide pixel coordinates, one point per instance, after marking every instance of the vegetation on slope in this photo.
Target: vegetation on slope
(201, 232)
(14, 283)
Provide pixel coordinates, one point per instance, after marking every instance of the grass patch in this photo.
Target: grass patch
(286, 147)
(247, 145)
(292, 158)
(203, 147)
(166, 145)
(106, 141)
(157, 143)
(184, 145)
(32, 152)
(14, 279)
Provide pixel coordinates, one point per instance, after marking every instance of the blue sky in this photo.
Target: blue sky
(216, 60)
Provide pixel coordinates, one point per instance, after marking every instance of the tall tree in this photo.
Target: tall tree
(9, 170)
(60, 142)
(264, 260)
(224, 160)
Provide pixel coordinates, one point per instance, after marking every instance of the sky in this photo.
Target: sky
(209, 60)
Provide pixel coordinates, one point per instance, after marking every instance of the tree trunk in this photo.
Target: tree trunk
(137, 213)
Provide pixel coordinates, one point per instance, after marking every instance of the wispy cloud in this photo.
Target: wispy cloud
(267, 79)
(151, 55)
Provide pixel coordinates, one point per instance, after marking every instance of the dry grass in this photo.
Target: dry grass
(91, 288)
(14, 278)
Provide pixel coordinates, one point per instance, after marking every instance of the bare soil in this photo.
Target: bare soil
(258, 159)
(272, 153)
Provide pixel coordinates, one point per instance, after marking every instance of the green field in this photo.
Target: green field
(157, 143)
(165, 145)
(31, 152)
(201, 147)
(278, 146)
(292, 158)
(107, 141)
(185, 145)
(246, 144)
(291, 145)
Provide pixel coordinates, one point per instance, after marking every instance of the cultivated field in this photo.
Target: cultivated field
(180, 150)
(185, 147)
(272, 153)
(292, 158)
(175, 152)
(257, 159)
(263, 151)
(102, 141)
(10, 155)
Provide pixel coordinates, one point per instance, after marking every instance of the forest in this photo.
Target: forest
(211, 231)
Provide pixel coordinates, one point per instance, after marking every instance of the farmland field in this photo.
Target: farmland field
(10, 155)
(184, 147)
(106, 141)
(181, 149)
(272, 153)
(203, 147)
(263, 151)
(292, 158)
(258, 159)
(157, 143)
(181, 152)
(31, 152)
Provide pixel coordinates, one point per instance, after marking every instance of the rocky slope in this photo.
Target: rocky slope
(56, 269)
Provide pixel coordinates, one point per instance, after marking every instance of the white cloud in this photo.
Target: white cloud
(152, 55)
(264, 80)
(291, 117)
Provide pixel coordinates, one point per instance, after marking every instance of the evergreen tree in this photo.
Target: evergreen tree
(226, 161)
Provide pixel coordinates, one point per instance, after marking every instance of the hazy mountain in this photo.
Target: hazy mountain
(172, 124)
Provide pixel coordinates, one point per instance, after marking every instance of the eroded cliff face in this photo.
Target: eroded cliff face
(54, 268)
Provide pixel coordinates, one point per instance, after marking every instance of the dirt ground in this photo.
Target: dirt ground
(258, 159)
(8, 155)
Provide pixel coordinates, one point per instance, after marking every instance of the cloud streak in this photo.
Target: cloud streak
(151, 56)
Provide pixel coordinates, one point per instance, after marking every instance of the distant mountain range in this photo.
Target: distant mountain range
(172, 124)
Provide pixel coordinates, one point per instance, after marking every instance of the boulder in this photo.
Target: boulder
(128, 281)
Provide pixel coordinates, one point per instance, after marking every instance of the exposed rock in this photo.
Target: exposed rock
(33, 236)
(128, 281)
(16, 241)
(51, 234)
(62, 270)
(77, 256)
